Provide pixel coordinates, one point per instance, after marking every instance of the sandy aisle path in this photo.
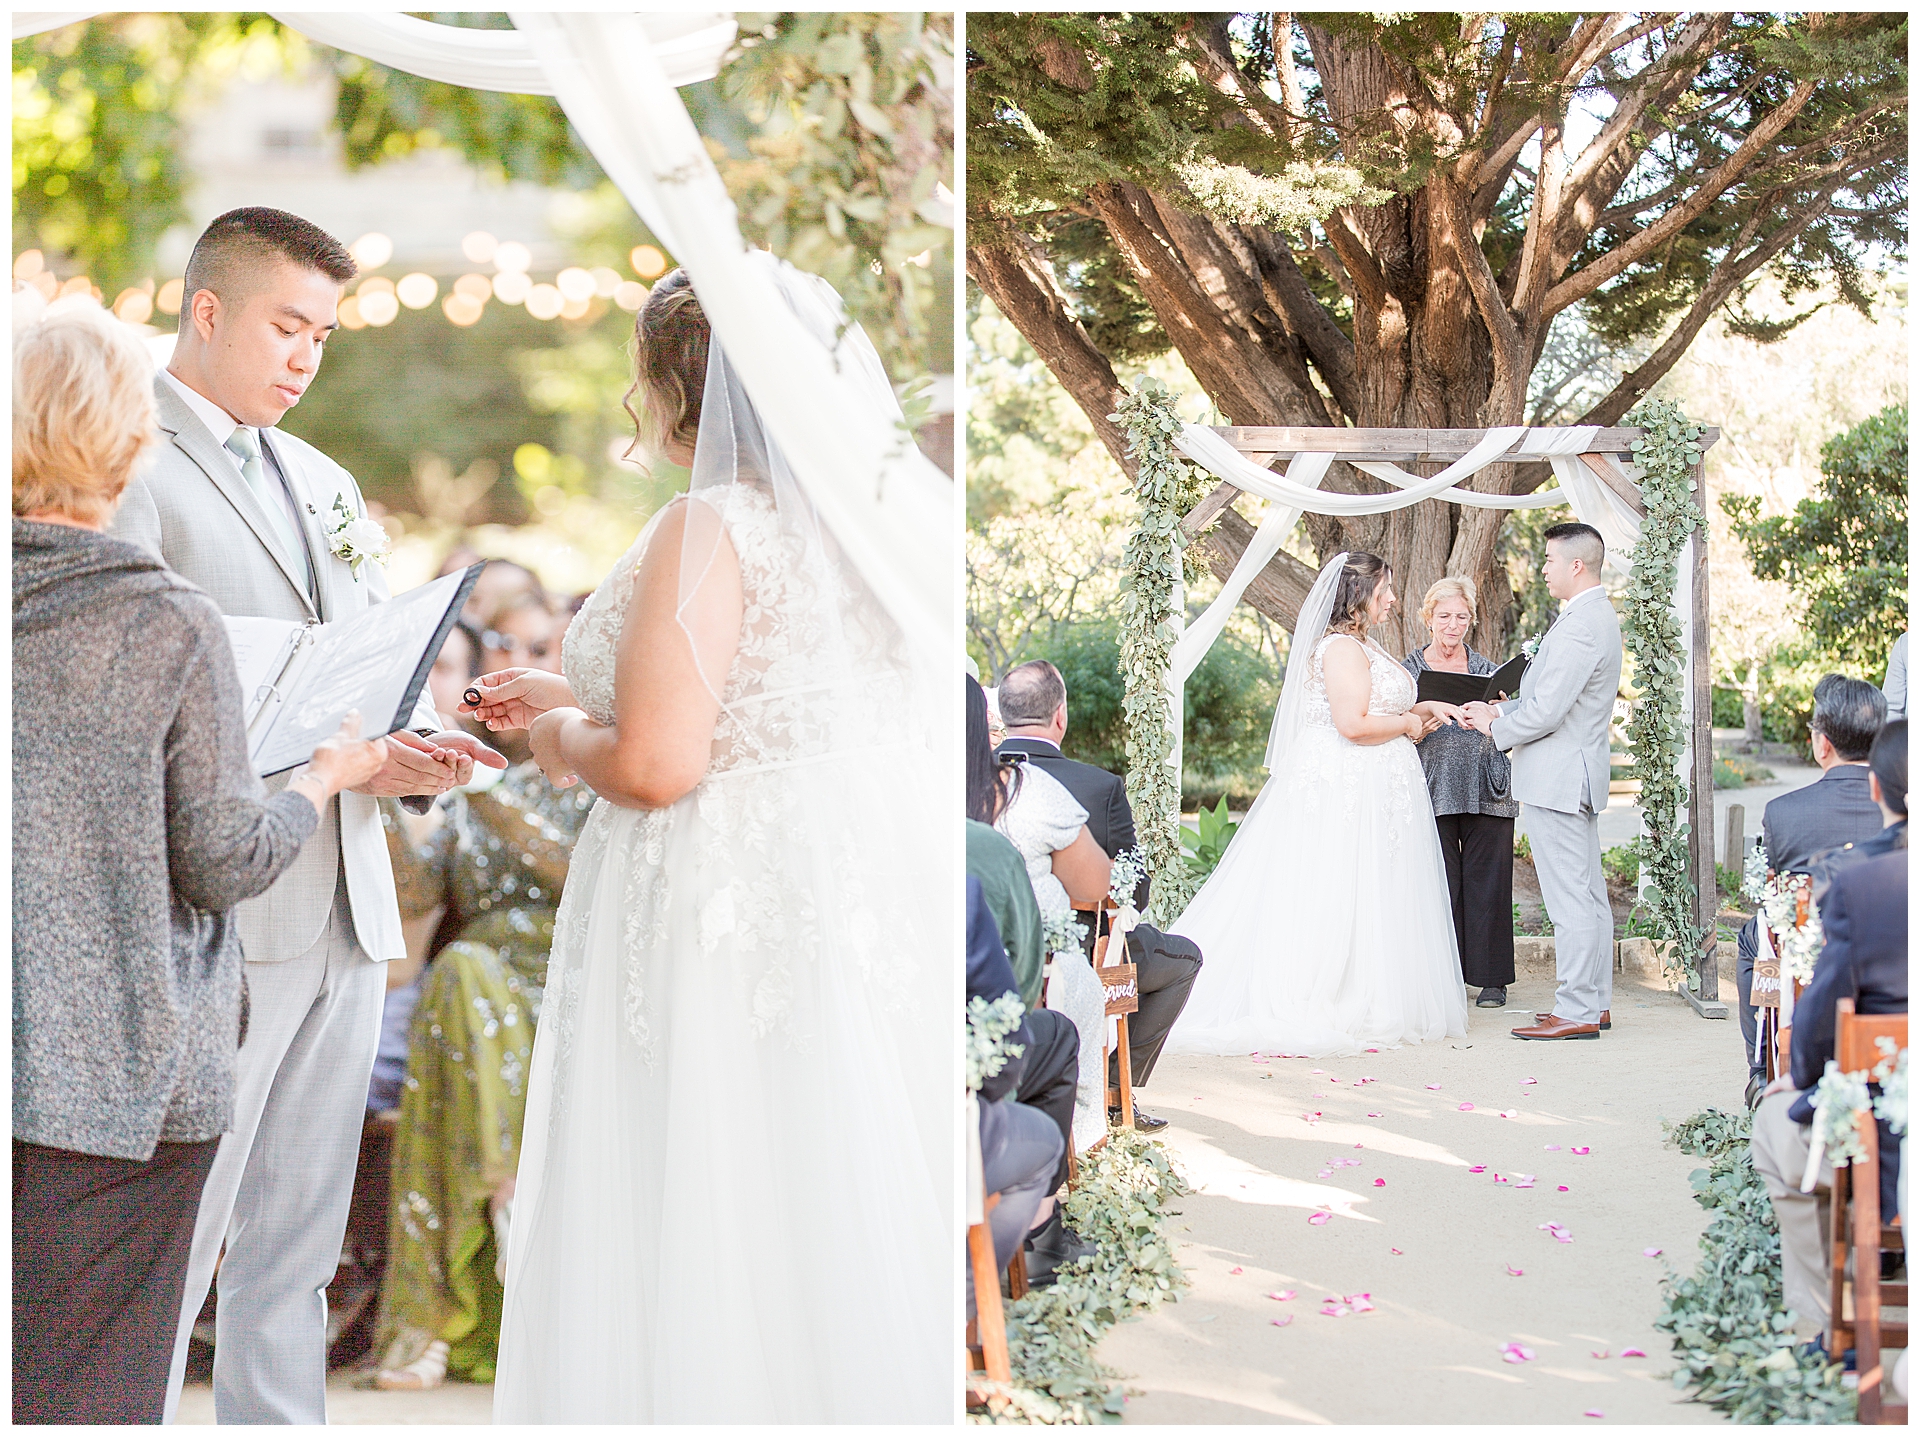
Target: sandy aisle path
(1430, 1351)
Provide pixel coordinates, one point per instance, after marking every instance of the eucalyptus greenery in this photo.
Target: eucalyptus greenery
(1167, 486)
(1656, 733)
(1117, 1204)
(1732, 1335)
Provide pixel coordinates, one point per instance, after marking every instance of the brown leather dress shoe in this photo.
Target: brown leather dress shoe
(1554, 1026)
(1606, 1019)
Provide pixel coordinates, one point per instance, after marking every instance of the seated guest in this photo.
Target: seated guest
(497, 860)
(138, 823)
(1887, 780)
(1052, 1075)
(501, 580)
(1033, 705)
(1019, 1147)
(1833, 810)
(1864, 915)
(523, 632)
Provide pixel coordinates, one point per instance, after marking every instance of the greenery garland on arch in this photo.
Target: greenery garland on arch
(1167, 487)
(1657, 731)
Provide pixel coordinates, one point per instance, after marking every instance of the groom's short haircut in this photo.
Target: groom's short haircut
(1850, 712)
(1888, 760)
(1031, 693)
(1582, 542)
(241, 242)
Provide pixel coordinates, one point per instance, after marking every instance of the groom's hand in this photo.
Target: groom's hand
(468, 751)
(1480, 717)
(414, 765)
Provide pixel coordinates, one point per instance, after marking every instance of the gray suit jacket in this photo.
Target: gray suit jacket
(1556, 727)
(193, 509)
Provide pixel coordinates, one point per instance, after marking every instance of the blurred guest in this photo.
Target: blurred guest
(1864, 915)
(501, 580)
(497, 861)
(1796, 827)
(138, 824)
(1020, 1150)
(1467, 780)
(522, 632)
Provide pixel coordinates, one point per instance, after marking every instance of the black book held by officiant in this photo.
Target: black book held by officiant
(1472, 688)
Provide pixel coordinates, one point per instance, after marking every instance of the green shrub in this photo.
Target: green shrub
(1621, 863)
(1736, 772)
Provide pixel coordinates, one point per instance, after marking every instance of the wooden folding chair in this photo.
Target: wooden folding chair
(1858, 1296)
(1122, 984)
(986, 1339)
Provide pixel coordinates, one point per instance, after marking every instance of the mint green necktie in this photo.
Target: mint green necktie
(245, 447)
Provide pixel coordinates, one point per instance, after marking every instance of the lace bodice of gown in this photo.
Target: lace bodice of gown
(792, 693)
(1393, 691)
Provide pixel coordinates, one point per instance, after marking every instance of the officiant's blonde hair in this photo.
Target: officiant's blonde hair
(83, 414)
(1451, 586)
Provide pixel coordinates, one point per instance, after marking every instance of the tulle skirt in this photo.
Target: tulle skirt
(735, 1192)
(1327, 927)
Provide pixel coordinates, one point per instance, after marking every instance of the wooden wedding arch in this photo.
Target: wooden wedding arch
(1263, 444)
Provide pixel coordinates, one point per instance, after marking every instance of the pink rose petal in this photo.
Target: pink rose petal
(1564, 1188)
(1479, 1168)
(1373, 1115)
(1281, 1321)
(1649, 1252)
(1359, 1145)
(1235, 1272)
(1335, 1309)
(1602, 1354)
(1316, 1070)
(1631, 1352)
(1580, 1152)
(1396, 1252)
(1361, 1302)
(1466, 1107)
(1514, 1352)
(1320, 1218)
(1286, 1294)
(1525, 1081)
(1379, 1182)
(1433, 1087)
(1553, 1147)
(1511, 1113)
(1323, 1173)
(1513, 1271)
(1593, 1412)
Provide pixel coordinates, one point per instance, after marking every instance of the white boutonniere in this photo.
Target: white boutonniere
(354, 538)
(1531, 647)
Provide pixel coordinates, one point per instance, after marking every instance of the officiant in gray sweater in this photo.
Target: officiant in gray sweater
(138, 823)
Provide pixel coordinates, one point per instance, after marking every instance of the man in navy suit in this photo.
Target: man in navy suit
(1864, 915)
(1833, 810)
(1033, 706)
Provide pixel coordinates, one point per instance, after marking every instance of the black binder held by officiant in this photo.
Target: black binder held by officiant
(1448, 688)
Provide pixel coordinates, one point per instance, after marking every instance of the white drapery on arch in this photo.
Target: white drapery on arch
(890, 509)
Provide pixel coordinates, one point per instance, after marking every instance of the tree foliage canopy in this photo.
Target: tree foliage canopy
(1844, 550)
(1375, 219)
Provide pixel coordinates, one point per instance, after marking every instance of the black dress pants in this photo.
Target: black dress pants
(1050, 1075)
(99, 1271)
(1164, 973)
(1478, 848)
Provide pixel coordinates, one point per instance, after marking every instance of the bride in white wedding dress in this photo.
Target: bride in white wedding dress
(734, 1193)
(1327, 926)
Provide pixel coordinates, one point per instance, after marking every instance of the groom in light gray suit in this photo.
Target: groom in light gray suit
(244, 511)
(1557, 731)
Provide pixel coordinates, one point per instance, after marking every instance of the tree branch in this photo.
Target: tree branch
(1617, 261)
(1022, 287)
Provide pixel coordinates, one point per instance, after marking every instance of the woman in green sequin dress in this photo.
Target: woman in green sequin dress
(497, 859)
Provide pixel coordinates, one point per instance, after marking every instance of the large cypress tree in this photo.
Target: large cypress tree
(1342, 219)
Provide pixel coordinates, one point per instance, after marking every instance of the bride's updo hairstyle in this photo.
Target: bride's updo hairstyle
(669, 364)
(1358, 580)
